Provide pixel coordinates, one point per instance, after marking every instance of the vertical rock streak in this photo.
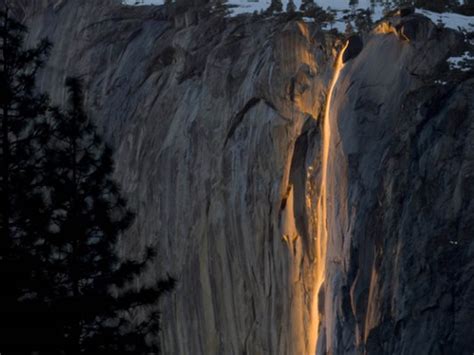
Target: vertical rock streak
(322, 227)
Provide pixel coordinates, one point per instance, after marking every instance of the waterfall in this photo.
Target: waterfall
(322, 228)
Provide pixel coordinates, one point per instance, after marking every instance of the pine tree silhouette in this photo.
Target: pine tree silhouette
(275, 6)
(220, 8)
(24, 130)
(290, 7)
(311, 9)
(307, 5)
(89, 304)
(64, 288)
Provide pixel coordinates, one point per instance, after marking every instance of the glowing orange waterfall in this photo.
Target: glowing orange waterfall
(322, 227)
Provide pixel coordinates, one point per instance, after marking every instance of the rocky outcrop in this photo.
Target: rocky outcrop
(218, 136)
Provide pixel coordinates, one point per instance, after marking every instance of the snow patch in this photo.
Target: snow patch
(249, 6)
(340, 8)
(463, 62)
(450, 20)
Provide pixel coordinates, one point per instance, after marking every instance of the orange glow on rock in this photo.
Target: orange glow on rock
(322, 227)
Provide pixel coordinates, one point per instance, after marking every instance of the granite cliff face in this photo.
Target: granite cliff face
(399, 263)
(300, 213)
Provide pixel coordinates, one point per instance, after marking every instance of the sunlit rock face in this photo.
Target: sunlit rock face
(216, 128)
(218, 135)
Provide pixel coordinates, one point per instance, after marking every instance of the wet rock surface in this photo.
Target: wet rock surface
(217, 130)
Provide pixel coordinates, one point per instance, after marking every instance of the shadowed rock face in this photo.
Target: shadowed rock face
(354, 47)
(218, 146)
(400, 227)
